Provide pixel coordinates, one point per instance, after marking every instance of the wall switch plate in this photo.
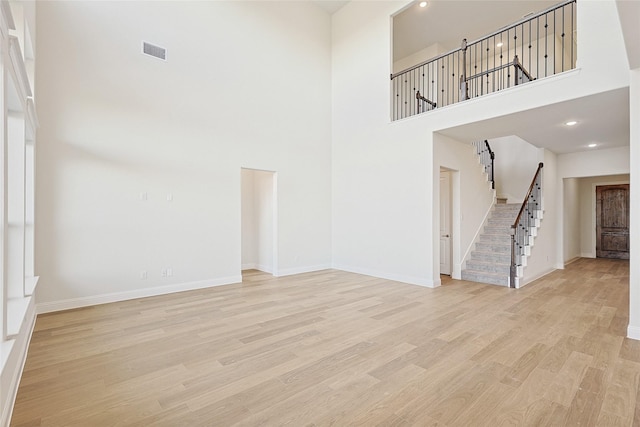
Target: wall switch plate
(169, 272)
(143, 197)
(143, 274)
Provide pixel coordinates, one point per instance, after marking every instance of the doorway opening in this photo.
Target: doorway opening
(259, 220)
(445, 222)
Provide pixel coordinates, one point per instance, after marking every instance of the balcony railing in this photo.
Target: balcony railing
(537, 46)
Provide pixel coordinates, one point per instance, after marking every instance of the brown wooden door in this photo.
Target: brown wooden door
(612, 221)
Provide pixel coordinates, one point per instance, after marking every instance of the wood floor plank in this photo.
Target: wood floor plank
(339, 348)
(620, 397)
(564, 387)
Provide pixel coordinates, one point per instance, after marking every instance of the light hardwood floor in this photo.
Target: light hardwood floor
(336, 348)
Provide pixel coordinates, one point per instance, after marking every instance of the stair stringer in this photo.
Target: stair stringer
(490, 198)
(476, 238)
(521, 280)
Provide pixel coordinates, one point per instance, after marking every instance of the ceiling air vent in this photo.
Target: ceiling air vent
(155, 51)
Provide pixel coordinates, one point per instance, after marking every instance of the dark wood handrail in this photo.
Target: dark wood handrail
(518, 65)
(420, 97)
(514, 228)
(493, 157)
(491, 153)
(524, 203)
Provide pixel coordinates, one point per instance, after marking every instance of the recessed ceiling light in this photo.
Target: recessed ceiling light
(592, 145)
(423, 4)
(499, 44)
(571, 123)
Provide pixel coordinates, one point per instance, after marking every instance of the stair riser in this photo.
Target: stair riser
(491, 268)
(493, 247)
(496, 238)
(496, 229)
(500, 222)
(476, 277)
(502, 258)
(504, 215)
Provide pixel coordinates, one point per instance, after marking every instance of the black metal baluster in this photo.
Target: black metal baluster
(529, 45)
(413, 94)
(422, 86)
(554, 41)
(562, 39)
(395, 101)
(546, 36)
(397, 96)
(538, 46)
(572, 32)
(434, 95)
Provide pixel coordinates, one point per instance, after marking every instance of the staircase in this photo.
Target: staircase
(490, 261)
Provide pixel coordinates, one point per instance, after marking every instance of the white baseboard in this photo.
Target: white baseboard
(456, 273)
(13, 365)
(264, 268)
(69, 304)
(527, 280)
(633, 332)
(300, 270)
(588, 255)
(250, 266)
(419, 281)
(571, 261)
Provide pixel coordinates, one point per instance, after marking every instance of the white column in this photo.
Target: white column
(633, 330)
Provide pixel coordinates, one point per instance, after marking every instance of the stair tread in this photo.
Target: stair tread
(485, 273)
(490, 261)
(488, 252)
(480, 261)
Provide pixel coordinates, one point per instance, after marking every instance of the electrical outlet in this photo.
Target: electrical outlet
(163, 272)
(169, 272)
(143, 274)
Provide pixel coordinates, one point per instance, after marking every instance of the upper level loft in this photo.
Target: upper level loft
(539, 45)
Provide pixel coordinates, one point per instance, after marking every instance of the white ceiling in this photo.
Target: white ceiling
(447, 22)
(602, 119)
(330, 6)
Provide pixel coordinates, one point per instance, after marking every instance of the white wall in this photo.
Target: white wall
(383, 173)
(118, 127)
(571, 220)
(594, 163)
(418, 57)
(515, 163)
(472, 196)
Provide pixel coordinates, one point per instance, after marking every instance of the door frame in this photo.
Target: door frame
(446, 175)
(594, 202)
(456, 257)
(274, 213)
